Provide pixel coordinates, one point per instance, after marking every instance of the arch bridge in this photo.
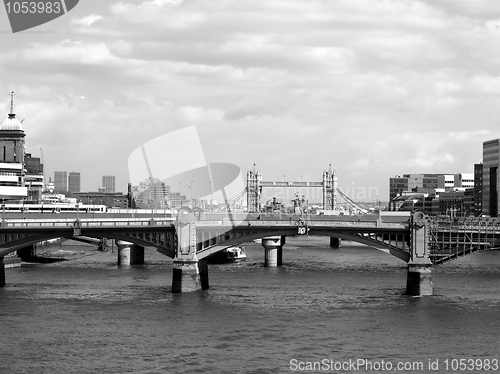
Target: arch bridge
(419, 240)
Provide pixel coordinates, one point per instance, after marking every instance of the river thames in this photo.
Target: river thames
(324, 308)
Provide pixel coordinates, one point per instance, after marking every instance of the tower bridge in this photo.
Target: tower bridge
(189, 239)
(255, 184)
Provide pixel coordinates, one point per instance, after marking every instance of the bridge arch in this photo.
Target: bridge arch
(24, 242)
(240, 239)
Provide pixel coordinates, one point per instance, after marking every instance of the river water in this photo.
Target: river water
(323, 311)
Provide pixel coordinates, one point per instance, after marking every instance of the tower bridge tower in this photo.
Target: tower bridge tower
(329, 189)
(254, 189)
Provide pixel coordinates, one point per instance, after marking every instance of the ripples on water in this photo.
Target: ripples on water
(339, 304)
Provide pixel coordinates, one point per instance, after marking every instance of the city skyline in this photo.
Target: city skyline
(375, 88)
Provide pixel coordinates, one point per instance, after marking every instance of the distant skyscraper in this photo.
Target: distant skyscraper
(61, 180)
(108, 182)
(74, 182)
(491, 161)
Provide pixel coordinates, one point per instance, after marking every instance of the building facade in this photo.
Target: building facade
(111, 200)
(478, 190)
(108, 182)
(60, 181)
(34, 180)
(74, 182)
(491, 161)
(410, 182)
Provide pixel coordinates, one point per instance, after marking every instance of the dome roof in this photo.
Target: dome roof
(11, 123)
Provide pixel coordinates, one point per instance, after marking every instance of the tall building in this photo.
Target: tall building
(491, 161)
(12, 157)
(33, 179)
(478, 190)
(108, 182)
(61, 181)
(74, 182)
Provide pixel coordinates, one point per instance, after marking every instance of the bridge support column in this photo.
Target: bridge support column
(273, 250)
(2, 272)
(335, 242)
(203, 266)
(129, 253)
(419, 276)
(419, 280)
(186, 272)
(186, 277)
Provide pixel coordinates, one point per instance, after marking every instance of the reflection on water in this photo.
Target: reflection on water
(89, 315)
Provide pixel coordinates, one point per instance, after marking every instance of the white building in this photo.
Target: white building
(12, 186)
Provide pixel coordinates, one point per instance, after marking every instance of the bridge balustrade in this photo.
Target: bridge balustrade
(86, 222)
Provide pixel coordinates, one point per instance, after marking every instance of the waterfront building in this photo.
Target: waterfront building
(456, 203)
(410, 182)
(478, 190)
(108, 182)
(111, 200)
(61, 181)
(177, 200)
(152, 193)
(12, 150)
(33, 180)
(446, 181)
(463, 180)
(491, 161)
(74, 182)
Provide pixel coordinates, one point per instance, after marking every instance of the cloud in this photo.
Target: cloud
(375, 87)
(88, 20)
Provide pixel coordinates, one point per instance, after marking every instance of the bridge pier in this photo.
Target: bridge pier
(129, 253)
(273, 250)
(419, 280)
(419, 276)
(335, 242)
(185, 277)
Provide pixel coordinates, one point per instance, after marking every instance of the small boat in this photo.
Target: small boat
(228, 255)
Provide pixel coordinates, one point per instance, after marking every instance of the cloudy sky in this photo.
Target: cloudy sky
(377, 88)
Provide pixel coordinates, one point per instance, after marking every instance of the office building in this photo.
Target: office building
(411, 182)
(33, 180)
(108, 182)
(478, 190)
(61, 181)
(491, 161)
(111, 200)
(74, 182)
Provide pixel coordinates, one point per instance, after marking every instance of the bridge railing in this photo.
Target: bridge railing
(88, 222)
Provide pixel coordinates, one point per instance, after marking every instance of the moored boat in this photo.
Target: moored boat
(228, 255)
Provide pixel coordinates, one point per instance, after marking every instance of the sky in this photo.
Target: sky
(376, 88)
